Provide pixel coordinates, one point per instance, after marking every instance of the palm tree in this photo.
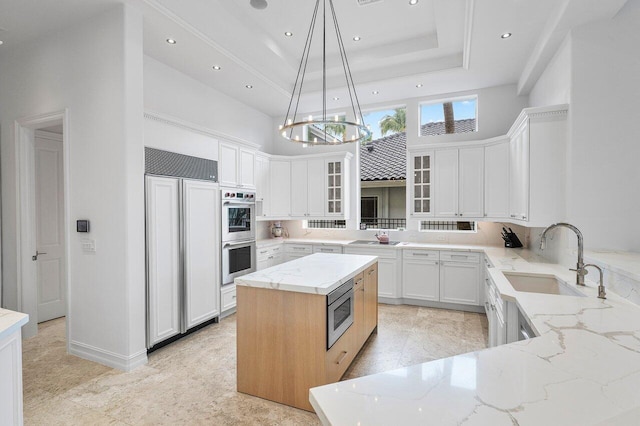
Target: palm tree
(395, 123)
(449, 121)
(336, 130)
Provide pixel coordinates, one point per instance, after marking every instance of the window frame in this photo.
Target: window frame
(454, 99)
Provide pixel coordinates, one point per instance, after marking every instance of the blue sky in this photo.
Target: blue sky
(428, 113)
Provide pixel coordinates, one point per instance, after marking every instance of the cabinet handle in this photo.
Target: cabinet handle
(371, 271)
(270, 257)
(436, 263)
(512, 215)
(421, 254)
(233, 297)
(342, 357)
(359, 281)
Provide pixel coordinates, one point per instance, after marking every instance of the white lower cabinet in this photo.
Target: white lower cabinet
(228, 296)
(269, 256)
(459, 278)
(296, 251)
(11, 379)
(389, 269)
(421, 275)
(327, 248)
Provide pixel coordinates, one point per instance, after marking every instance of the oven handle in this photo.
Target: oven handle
(246, 203)
(239, 243)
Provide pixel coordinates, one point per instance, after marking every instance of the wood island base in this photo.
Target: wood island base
(282, 340)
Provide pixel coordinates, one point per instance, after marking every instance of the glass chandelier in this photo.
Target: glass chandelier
(322, 130)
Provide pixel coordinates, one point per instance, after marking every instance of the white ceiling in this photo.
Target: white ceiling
(445, 45)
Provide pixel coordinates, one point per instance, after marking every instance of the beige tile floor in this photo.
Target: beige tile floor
(192, 381)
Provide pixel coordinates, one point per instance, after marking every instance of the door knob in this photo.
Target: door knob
(38, 253)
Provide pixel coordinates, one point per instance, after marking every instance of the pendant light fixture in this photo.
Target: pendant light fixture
(323, 130)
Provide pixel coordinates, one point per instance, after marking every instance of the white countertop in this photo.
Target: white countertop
(403, 245)
(11, 321)
(584, 369)
(318, 273)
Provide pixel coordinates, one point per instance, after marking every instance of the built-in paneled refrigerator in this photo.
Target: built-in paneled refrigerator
(183, 255)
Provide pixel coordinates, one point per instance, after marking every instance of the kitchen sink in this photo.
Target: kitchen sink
(374, 243)
(540, 283)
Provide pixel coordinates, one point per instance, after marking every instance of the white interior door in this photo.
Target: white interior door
(49, 200)
(201, 251)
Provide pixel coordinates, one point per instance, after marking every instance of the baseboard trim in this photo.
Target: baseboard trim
(430, 304)
(108, 358)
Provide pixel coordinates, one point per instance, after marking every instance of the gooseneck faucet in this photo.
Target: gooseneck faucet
(601, 292)
(580, 270)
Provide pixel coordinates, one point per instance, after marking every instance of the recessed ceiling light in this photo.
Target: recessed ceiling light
(248, 86)
(171, 41)
(375, 92)
(419, 85)
(356, 38)
(506, 35)
(288, 33)
(1, 42)
(217, 67)
(335, 98)
(413, 2)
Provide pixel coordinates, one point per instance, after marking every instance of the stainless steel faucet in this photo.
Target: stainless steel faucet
(601, 293)
(580, 270)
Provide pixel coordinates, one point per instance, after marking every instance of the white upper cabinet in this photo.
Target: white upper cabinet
(446, 183)
(538, 144)
(262, 186)
(336, 176)
(459, 182)
(308, 188)
(420, 176)
(316, 188)
(496, 180)
(471, 182)
(299, 189)
(236, 167)
(280, 189)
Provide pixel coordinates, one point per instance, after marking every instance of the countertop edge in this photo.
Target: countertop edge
(20, 320)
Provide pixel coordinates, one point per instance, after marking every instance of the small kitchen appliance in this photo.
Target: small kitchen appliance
(276, 230)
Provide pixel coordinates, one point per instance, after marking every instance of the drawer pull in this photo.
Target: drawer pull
(233, 297)
(371, 271)
(342, 357)
(459, 256)
(327, 250)
(421, 254)
(359, 280)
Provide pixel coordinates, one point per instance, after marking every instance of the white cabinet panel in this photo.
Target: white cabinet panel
(335, 249)
(11, 379)
(201, 252)
(496, 180)
(316, 190)
(228, 165)
(228, 295)
(163, 252)
(519, 173)
(459, 283)
(262, 186)
(446, 182)
(280, 188)
(299, 189)
(247, 172)
(471, 182)
(388, 278)
(421, 279)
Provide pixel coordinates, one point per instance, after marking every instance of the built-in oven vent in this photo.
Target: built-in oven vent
(165, 163)
(366, 2)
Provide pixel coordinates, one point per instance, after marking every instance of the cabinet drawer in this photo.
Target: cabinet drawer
(298, 248)
(327, 249)
(384, 253)
(340, 355)
(263, 253)
(228, 297)
(421, 254)
(459, 256)
(276, 249)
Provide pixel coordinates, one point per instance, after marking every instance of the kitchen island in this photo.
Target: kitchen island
(283, 324)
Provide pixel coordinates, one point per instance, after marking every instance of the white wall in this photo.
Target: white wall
(603, 175)
(170, 92)
(554, 85)
(94, 70)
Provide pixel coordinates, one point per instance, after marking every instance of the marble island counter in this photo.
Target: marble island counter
(319, 273)
(11, 366)
(583, 369)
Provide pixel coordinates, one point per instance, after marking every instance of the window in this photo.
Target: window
(383, 170)
(325, 224)
(448, 117)
(335, 131)
(447, 226)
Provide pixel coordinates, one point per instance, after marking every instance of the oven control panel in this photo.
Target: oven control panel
(233, 195)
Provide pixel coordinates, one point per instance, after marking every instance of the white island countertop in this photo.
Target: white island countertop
(319, 273)
(584, 369)
(11, 321)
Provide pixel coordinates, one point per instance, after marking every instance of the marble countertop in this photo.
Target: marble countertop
(403, 245)
(625, 263)
(583, 369)
(11, 321)
(318, 273)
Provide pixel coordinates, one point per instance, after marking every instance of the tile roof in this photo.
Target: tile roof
(385, 158)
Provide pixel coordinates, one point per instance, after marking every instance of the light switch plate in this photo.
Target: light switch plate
(88, 245)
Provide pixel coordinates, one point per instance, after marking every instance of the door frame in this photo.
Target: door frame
(26, 279)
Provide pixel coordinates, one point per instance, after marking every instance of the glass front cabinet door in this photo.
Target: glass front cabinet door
(335, 188)
(421, 183)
